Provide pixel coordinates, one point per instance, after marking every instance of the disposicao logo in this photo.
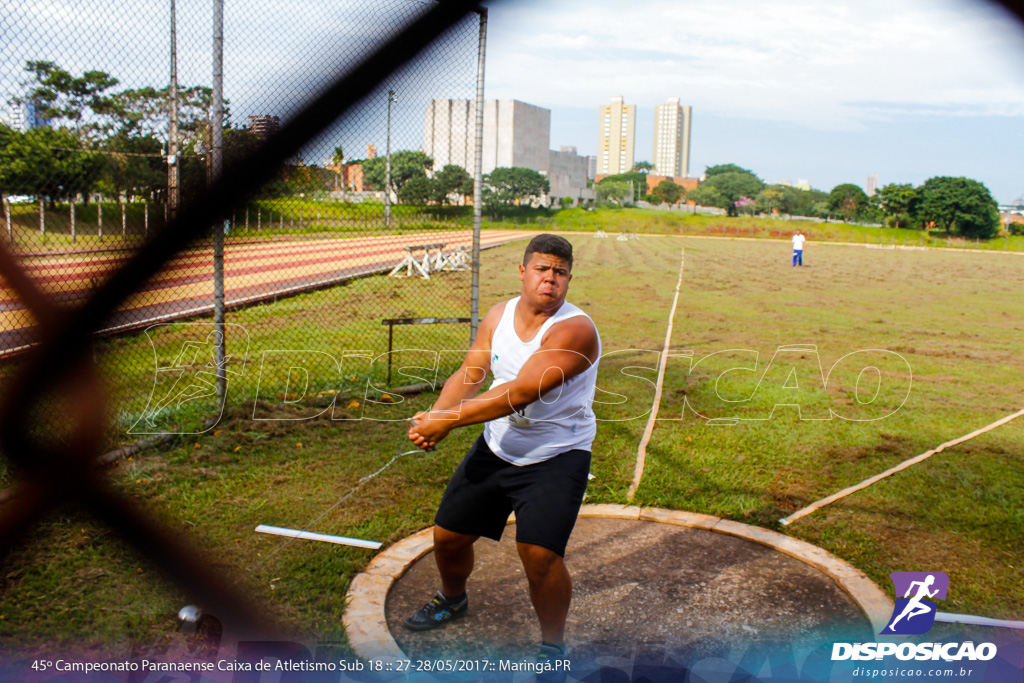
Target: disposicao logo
(914, 613)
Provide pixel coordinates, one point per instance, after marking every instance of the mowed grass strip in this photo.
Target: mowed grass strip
(955, 321)
(73, 584)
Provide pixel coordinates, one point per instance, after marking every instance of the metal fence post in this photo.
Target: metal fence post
(72, 203)
(42, 220)
(478, 178)
(216, 164)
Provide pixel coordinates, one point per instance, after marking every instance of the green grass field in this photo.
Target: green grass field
(955, 318)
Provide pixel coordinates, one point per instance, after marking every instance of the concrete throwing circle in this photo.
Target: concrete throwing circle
(646, 580)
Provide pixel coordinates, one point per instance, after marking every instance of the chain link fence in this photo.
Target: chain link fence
(98, 153)
(121, 219)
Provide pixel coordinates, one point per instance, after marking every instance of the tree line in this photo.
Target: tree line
(954, 205)
(102, 140)
(412, 183)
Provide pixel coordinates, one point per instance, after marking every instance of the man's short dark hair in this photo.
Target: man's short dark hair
(552, 245)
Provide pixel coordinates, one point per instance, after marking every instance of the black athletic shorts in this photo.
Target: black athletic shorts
(545, 496)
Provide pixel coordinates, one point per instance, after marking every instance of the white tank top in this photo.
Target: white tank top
(560, 420)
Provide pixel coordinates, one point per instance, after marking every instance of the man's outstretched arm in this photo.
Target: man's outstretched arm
(568, 349)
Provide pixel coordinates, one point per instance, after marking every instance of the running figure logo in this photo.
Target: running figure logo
(914, 614)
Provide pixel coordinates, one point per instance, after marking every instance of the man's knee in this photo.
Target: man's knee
(538, 561)
(446, 541)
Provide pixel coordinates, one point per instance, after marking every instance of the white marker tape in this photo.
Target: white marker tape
(951, 618)
(641, 451)
(310, 536)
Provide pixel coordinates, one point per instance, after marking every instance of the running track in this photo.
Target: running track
(253, 271)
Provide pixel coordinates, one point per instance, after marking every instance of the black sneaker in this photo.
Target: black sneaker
(552, 664)
(437, 612)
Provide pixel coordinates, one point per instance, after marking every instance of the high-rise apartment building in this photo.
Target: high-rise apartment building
(871, 186)
(25, 117)
(264, 125)
(672, 139)
(615, 137)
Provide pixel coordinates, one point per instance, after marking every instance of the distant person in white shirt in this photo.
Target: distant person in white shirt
(798, 248)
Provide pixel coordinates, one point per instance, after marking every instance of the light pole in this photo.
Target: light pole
(387, 164)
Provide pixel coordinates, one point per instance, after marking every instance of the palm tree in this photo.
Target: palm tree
(339, 167)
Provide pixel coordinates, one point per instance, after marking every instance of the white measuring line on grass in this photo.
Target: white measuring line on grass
(893, 470)
(305, 533)
(641, 452)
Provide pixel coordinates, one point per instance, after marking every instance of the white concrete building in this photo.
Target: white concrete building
(672, 139)
(515, 134)
(616, 137)
(567, 177)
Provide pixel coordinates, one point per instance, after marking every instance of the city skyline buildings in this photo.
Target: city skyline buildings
(671, 150)
(616, 137)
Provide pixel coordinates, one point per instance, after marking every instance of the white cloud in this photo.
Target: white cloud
(834, 65)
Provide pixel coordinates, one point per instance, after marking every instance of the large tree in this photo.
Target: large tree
(59, 95)
(725, 168)
(418, 191)
(848, 200)
(668, 191)
(612, 191)
(706, 195)
(405, 165)
(959, 205)
(144, 111)
(506, 186)
(451, 180)
(638, 180)
(732, 183)
(47, 162)
(899, 201)
(133, 167)
(770, 199)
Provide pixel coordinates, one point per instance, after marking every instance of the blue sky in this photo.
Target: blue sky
(831, 92)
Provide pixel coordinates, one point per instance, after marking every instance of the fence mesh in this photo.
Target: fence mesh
(87, 167)
(87, 177)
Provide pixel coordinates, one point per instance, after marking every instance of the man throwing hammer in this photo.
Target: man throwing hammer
(534, 455)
